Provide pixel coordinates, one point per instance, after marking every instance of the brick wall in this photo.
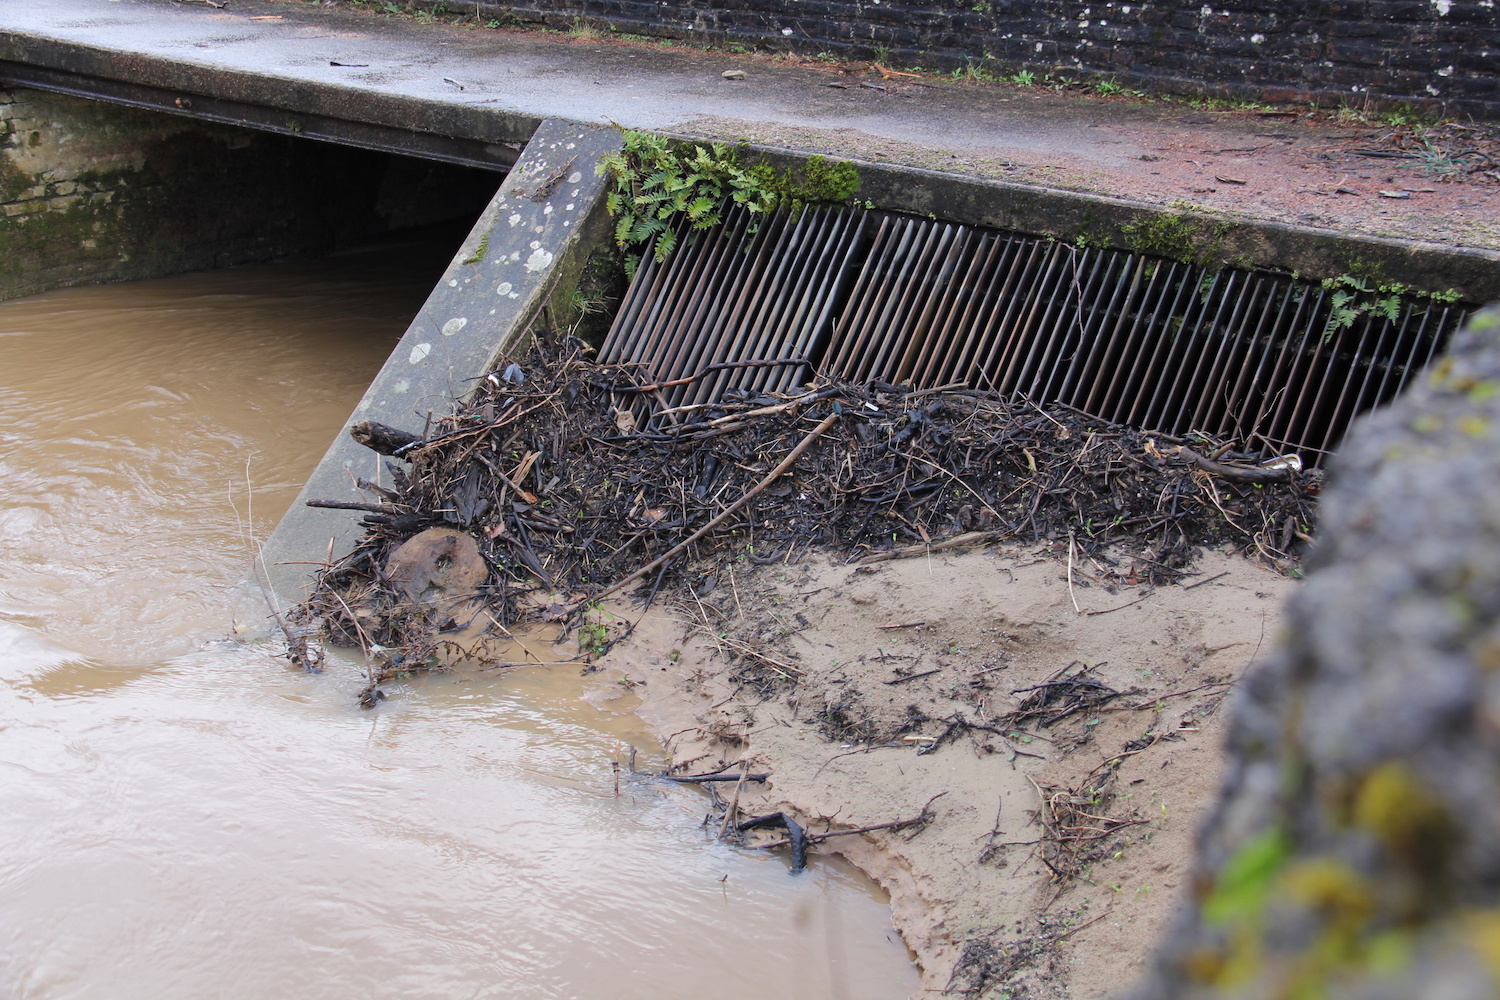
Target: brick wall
(1441, 54)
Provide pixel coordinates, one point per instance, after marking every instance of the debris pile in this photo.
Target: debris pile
(548, 489)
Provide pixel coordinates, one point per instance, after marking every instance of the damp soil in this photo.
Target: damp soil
(1053, 848)
(978, 648)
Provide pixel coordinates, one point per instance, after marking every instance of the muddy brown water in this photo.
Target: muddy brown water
(184, 817)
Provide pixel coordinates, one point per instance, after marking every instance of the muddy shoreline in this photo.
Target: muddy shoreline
(900, 650)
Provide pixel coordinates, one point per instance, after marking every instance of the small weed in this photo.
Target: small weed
(1105, 88)
(583, 31)
(1024, 78)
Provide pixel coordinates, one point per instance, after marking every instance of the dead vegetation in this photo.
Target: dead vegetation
(551, 487)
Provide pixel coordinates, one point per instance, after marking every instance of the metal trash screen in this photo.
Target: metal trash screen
(1136, 340)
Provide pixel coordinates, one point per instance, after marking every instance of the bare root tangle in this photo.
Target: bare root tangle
(567, 497)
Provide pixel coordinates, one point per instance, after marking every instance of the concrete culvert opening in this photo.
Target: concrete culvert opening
(97, 192)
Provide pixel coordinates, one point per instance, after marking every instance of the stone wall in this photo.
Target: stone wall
(1440, 54)
(1355, 850)
(92, 192)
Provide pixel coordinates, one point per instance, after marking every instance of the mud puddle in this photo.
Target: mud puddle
(188, 818)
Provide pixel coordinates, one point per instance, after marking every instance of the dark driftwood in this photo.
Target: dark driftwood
(703, 779)
(1236, 473)
(373, 508)
(794, 834)
(382, 438)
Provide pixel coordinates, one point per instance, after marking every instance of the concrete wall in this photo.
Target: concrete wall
(1441, 54)
(93, 192)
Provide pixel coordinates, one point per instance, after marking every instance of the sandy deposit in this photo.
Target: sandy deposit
(852, 743)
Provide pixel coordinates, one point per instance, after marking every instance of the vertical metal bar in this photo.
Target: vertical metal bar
(1157, 334)
(818, 336)
(1178, 395)
(1207, 395)
(1109, 379)
(961, 350)
(1122, 275)
(1001, 328)
(852, 331)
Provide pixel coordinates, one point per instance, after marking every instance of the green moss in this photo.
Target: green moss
(1241, 889)
(1413, 826)
(1170, 236)
(479, 251)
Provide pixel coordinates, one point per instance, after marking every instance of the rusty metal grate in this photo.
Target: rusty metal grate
(739, 292)
(1132, 339)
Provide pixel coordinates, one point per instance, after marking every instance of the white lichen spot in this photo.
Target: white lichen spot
(539, 229)
(539, 260)
(419, 353)
(452, 282)
(364, 404)
(1126, 8)
(535, 243)
(1445, 71)
(454, 325)
(492, 312)
(568, 207)
(574, 178)
(1258, 38)
(567, 222)
(1207, 11)
(1084, 23)
(515, 257)
(547, 210)
(571, 145)
(574, 194)
(1039, 46)
(515, 219)
(1433, 91)
(402, 385)
(504, 288)
(1442, 7)
(788, 31)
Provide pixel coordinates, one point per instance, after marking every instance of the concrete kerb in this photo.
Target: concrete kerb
(1098, 220)
(532, 238)
(292, 95)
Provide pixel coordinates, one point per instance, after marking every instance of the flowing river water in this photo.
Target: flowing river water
(182, 816)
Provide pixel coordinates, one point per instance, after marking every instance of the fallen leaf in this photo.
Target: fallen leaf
(873, 86)
(733, 74)
(1394, 194)
(1229, 180)
(625, 421)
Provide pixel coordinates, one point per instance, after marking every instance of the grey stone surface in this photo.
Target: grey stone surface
(1356, 848)
(528, 244)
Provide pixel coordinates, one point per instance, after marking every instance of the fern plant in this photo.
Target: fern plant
(1355, 297)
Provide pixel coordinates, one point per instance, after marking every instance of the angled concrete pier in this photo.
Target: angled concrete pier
(529, 244)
